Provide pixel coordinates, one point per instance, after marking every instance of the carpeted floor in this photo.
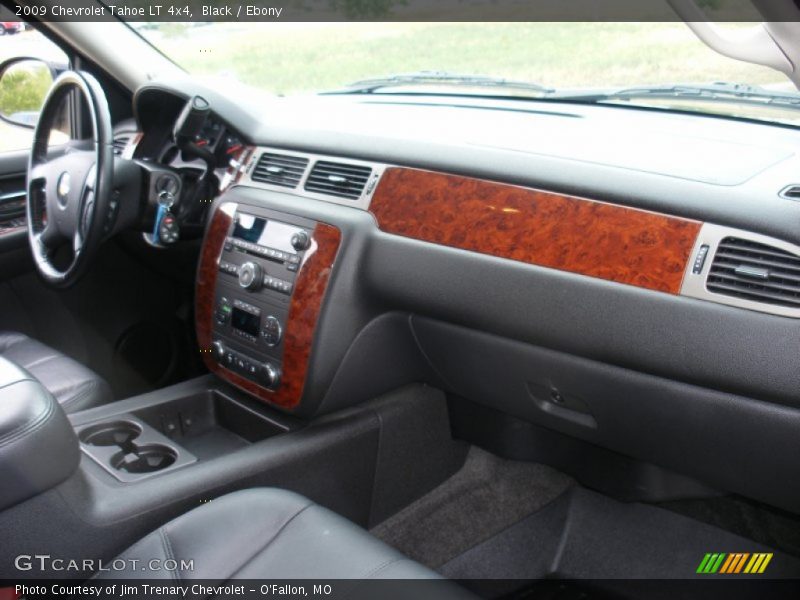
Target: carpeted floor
(502, 528)
(485, 497)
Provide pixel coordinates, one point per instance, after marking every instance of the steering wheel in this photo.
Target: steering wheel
(70, 187)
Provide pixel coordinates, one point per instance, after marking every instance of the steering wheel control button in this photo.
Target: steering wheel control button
(272, 331)
(251, 276)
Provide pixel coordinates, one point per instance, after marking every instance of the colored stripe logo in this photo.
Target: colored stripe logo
(734, 563)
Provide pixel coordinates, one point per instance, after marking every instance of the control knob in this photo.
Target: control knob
(223, 312)
(301, 241)
(219, 350)
(272, 331)
(251, 277)
(270, 375)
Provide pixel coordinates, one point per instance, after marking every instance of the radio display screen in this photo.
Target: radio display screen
(264, 232)
(244, 321)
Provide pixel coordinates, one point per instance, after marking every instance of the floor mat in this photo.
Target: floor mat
(769, 526)
(517, 530)
(587, 537)
(485, 497)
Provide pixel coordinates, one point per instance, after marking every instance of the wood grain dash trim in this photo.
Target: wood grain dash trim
(579, 235)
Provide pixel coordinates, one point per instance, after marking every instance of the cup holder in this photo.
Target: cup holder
(145, 459)
(130, 449)
(116, 433)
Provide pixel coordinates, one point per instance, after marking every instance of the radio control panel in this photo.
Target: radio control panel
(261, 258)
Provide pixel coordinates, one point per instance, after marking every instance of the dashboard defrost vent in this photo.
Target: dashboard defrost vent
(280, 169)
(791, 192)
(337, 179)
(121, 142)
(754, 271)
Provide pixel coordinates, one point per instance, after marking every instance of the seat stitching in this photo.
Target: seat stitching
(89, 387)
(370, 574)
(17, 338)
(270, 541)
(40, 361)
(381, 567)
(168, 551)
(81, 395)
(30, 427)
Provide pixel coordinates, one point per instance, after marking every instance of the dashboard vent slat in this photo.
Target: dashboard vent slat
(766, 261)
(279, 169)
(338, 179)
(728, 265)
(755, 271)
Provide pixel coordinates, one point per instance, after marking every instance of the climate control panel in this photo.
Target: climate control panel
(264, 373)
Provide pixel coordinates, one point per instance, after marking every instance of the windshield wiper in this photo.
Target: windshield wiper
(438, 78)
(737, 93)
(733, 93)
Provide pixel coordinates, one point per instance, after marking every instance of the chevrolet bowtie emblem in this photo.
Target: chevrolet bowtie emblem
(63, 187)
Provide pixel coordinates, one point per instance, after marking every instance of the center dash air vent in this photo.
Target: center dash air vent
(280, 169)
(757, 272)
(337, 179)
(121, 142)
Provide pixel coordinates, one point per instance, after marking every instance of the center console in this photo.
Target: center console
(182, 426)
(261, 282)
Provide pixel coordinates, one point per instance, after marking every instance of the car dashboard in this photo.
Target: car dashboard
(629, 277)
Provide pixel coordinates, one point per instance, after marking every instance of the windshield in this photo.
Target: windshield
(294, 58)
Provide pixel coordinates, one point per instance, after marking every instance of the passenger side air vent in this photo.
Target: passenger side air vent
(280, 169)
(337, 179)
(754, 271)
(791, 192)
(121, 142)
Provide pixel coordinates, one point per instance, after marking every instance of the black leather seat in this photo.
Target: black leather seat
(73, 385)
(272, 534)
